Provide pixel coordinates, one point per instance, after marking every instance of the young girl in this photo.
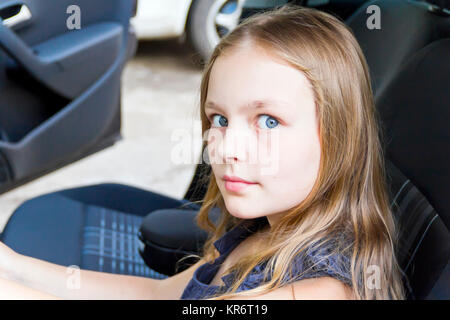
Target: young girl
(319, 225)
(310, 217)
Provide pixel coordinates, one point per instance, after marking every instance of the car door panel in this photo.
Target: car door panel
(60, 88)
(56, 62)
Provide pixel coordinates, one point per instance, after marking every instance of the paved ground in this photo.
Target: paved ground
(160, 96)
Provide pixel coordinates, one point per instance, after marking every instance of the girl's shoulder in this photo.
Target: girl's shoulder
(331, 258)
(322, 259)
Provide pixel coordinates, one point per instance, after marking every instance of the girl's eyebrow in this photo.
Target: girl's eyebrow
(256, 104)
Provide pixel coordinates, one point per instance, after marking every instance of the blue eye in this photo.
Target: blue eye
(221, 122)
(267, 121)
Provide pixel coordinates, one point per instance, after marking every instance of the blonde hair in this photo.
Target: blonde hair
(349, 196)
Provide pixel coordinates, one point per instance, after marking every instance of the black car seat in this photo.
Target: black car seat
(96, 227)
(415, 115)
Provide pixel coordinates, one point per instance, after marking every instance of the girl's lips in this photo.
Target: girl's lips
(237, 186)
(235, 179)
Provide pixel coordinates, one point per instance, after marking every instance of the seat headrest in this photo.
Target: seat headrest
(406, 27)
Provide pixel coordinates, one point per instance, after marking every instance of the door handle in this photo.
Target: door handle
(15, 15)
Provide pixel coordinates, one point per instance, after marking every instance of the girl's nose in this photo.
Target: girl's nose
(235, 145)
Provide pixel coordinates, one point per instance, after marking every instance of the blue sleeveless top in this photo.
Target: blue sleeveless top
(319, 261)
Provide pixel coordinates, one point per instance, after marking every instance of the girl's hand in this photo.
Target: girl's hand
(8, 259)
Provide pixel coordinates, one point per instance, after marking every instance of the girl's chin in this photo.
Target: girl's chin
(242, 213)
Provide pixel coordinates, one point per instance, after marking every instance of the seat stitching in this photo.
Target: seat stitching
(420, 241)
(398, 193)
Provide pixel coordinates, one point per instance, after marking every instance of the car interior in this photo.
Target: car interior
(122, 229)
(52, 78)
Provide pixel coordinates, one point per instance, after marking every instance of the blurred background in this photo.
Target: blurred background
(159, 94)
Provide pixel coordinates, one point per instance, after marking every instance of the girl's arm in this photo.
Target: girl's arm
(27, 276)
(12, 290)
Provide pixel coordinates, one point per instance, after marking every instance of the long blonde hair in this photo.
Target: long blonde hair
(349, 195)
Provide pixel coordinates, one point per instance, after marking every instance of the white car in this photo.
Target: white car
(202, 21)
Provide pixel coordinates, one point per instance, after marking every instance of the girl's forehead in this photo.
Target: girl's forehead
(247, 69)
(249, 58)
(266, 85)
